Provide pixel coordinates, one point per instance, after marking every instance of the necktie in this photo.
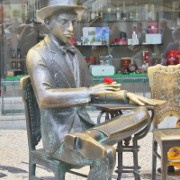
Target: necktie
(70, 49)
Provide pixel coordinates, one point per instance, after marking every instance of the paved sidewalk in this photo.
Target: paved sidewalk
(14, 158)
(14, 148)
(14, 153)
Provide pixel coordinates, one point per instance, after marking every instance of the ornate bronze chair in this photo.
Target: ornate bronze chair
(38, 156)
(164, 82)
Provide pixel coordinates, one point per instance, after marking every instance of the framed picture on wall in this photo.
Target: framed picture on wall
(96, 35)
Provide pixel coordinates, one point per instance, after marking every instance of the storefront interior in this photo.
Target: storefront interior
(126, 35)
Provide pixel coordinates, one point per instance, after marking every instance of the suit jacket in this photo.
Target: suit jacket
(60, 88)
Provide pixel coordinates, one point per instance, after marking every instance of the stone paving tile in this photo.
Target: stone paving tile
(14, 159)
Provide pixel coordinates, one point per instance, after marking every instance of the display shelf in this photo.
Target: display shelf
(13, 78)
(11, 100)
(132, 82)
(115, 45)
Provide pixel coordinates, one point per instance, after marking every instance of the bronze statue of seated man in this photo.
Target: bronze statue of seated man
(60, 80)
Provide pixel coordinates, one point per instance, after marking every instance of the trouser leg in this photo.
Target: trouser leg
(91, 142)
(92, 147)
(101, 169)
(124, 126)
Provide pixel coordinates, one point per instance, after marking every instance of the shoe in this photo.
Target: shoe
(86, 145)
(170, 169)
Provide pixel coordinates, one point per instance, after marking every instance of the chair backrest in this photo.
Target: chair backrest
(32, 113)
(164, 82)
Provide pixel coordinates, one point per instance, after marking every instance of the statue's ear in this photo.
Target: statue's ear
(47, 23)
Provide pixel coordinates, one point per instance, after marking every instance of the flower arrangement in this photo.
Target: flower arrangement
(108, 80)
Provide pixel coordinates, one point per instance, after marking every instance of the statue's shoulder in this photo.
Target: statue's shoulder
(35, 53)
(36, 48)
(40, 46)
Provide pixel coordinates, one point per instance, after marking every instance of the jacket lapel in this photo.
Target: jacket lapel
(61, 67)
(81, 71)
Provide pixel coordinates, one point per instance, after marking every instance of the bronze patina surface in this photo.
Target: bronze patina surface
(60, 80)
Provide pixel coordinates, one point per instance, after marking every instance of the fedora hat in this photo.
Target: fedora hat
(55, 6)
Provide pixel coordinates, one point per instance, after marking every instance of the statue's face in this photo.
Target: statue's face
(62, 26)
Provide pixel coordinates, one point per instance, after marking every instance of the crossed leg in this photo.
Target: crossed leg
(94, 147)
(101, 169)
(91, 143)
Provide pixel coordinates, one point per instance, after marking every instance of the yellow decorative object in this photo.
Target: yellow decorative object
(174, 152)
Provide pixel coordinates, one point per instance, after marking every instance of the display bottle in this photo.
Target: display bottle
(123, 13)
(146, 58)
(118, 16)
(19, 64)
(13, 56)
(134, 38)
(109, 59)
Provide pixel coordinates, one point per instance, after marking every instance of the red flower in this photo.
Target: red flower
(108, 80)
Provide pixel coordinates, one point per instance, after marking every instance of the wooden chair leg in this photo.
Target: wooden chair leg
(154, 160)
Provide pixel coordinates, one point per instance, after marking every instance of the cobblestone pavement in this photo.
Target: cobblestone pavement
(14, 153)
(14, 148)
(14, 158)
